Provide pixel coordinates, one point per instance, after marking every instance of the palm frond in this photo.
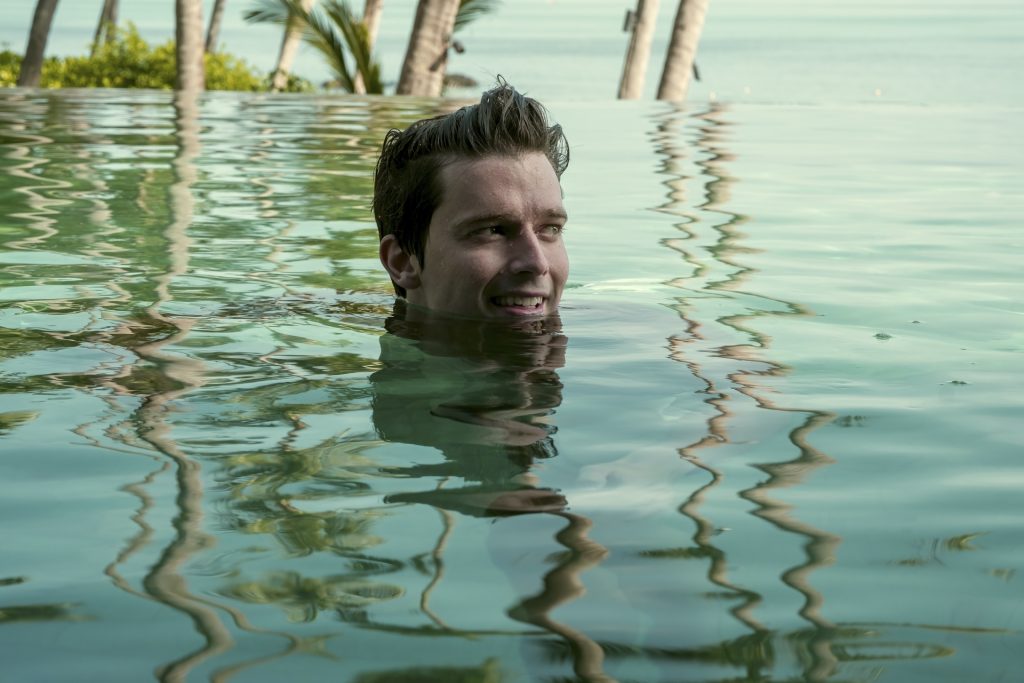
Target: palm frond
(321, 34)
(354, 31)
(333, 30)
(268, 12)
(471, 10)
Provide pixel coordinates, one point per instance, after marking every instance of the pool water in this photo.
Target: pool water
(774, 435)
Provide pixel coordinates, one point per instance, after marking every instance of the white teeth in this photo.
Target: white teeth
(526, 301)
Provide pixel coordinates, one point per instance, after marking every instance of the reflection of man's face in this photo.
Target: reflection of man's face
(494, 246)
(483, 392)
(468, 382)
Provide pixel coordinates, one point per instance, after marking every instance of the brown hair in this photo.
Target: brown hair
(407, 188)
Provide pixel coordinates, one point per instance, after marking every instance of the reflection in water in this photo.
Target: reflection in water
(727, 356)
(713, 230)
(165, 582)
(484, 395)
(328, 472)
(480, 393)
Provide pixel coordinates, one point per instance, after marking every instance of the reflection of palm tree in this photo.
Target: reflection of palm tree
(303, 597)
(10, 614)
(735, 372)
(488, 672)
(718, 564)
(164, 581)
(738, 378)
(821, 545)
(561, 585)
(260, 506)
(667, 145)
(34, 187)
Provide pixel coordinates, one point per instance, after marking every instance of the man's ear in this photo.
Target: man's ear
(404, 268)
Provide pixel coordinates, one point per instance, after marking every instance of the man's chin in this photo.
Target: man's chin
(513, 311)
(489, 311)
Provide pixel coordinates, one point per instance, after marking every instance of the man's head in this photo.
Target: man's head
(469, 209)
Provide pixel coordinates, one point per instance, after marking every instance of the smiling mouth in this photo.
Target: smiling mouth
(528, 303)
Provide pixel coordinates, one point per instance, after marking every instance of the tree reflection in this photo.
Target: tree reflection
(727, 354)
(484, 395)
(488, 672)
(308, 458)
(304, 597)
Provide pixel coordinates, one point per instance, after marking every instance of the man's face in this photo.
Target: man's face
(494, 246)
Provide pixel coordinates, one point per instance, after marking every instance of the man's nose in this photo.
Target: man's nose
(529, 254)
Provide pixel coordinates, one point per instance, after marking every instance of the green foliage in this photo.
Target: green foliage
(128, 61)
(488, 672)
(334, 31)
(304, 597)
(471, 10)
(13, 420)
(357, 39)
(10, 65)
(56, 612)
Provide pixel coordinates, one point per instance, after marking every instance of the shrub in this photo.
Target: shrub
(128, 61)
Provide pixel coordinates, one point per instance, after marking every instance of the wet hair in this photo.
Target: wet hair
(407, 188)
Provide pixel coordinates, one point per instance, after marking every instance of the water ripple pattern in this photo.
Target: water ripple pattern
(772, 436)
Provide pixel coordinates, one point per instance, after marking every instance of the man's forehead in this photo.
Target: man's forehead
(496, 161)
(488, 177)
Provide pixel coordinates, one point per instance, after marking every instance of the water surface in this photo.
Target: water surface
(773, 436)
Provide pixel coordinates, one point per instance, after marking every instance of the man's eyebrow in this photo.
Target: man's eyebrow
(553, 214)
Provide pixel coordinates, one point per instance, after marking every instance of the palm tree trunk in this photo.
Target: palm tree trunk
(371, 19)
(105, 26)
(189, 44)
(213, 31)
(682, 50)
(289, 48)
(427, 55)
(32, 64)
(639, 51)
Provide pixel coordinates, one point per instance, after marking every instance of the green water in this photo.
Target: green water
(774, 436)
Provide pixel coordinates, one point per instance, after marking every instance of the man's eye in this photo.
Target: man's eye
(552, 230)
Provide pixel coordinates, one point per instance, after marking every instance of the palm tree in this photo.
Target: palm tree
(289, 47)
(639, 51)
(189, 45)
(426, 58)
(471, 10)
(371, 20)
(682, 49)
(32, 64)
(106, 25)
(213, 30)
(334, 31)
